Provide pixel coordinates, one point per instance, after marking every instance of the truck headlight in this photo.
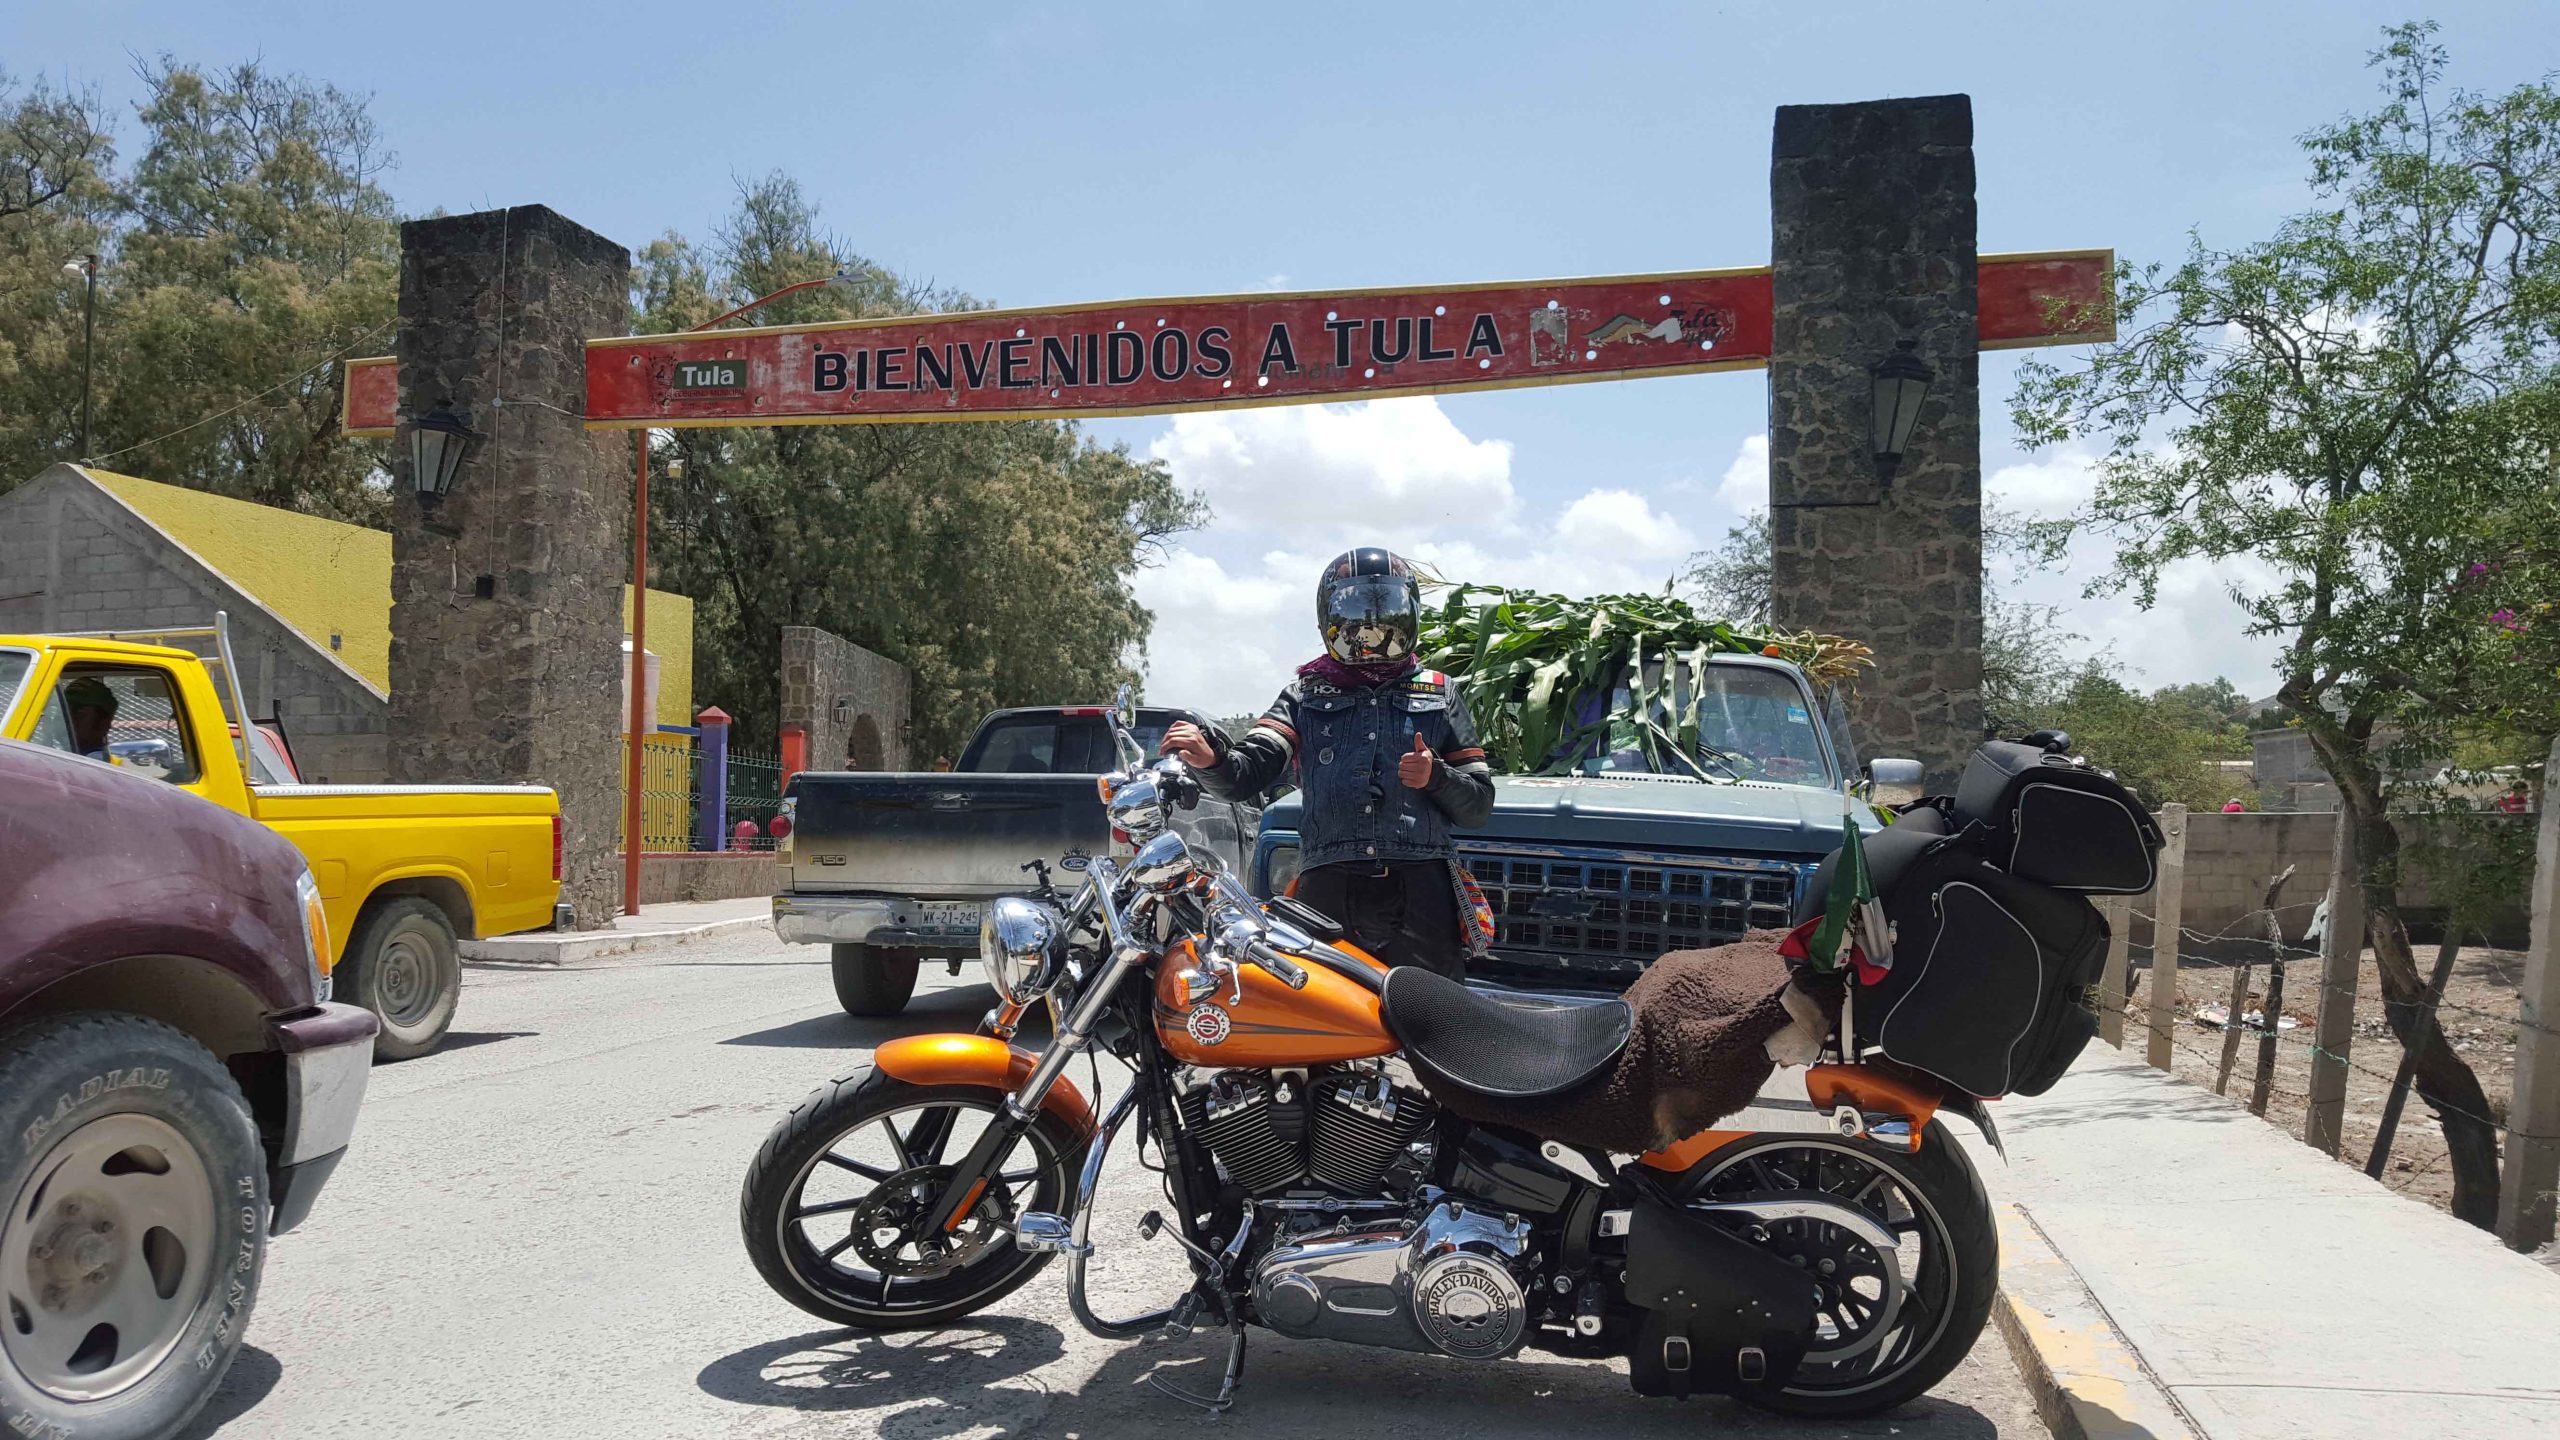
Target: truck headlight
(316, 949)
(1284, 869)
(1025, 948)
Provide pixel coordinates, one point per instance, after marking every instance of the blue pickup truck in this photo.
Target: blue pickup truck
(1592, 875)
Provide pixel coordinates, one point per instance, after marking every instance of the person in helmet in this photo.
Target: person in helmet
(1389, 763)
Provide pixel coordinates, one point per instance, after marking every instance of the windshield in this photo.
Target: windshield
(1055, 743)
(1753, 724)
(14, 665)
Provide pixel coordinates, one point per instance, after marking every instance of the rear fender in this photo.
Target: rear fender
(983, 1061)
(1878, 1098)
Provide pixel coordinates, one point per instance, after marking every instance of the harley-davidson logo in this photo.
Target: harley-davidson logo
(1208, 1024)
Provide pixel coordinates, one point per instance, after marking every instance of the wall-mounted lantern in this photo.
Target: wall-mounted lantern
(437, 442)
(1901, 383)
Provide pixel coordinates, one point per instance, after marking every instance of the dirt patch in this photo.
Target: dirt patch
(2478, 1015)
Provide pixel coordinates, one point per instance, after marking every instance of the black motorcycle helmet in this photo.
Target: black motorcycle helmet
(1369, 607)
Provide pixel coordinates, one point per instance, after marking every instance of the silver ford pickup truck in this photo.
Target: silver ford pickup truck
(892, 870)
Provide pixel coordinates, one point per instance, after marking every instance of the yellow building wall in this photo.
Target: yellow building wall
(327, 577)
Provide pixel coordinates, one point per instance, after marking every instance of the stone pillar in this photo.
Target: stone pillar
(506, 618)
(1872, 242)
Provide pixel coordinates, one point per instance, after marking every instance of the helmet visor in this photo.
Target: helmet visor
(1367, 619)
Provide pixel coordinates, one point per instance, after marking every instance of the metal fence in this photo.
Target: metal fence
(754, 793)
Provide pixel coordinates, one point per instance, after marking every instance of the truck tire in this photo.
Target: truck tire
(135, 1230)
(872, 981)
(402, 964)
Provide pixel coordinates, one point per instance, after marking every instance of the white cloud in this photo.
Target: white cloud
(2045, 489)
(1745, 487)
(1298, 471)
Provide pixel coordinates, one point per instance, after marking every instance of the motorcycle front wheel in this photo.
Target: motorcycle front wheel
(833, 1204)
(1893, 1321)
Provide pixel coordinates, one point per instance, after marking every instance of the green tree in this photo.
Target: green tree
(2353, 404)
(1732, 580)
(248, 248)
(993, 560)
(57, 203)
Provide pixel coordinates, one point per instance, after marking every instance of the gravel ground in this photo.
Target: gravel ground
(536, 1234)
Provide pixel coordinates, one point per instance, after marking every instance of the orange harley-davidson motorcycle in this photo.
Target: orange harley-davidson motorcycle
(1316, 1189)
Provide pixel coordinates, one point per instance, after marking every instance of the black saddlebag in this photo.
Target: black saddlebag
(2046, 819)
(1991, 985)
(1722, 1316)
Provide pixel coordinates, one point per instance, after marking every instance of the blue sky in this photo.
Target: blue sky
(1063, 153)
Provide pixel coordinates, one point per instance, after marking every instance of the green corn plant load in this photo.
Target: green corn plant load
(1524, 660)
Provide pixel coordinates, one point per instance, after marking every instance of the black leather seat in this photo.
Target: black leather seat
(1511, 1048)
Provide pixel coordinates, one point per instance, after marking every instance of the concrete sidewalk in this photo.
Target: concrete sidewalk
(656, 927)
(2174, 1265)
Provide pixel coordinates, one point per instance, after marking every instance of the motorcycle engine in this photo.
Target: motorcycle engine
(1339, 1131)
(1449, 1280)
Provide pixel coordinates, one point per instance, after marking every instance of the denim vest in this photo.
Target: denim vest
(1356, 808)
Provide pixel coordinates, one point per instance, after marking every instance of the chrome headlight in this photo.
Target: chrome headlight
(1136, 807)
(1024, 944)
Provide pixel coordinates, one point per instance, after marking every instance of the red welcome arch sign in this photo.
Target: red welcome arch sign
(1141, 357)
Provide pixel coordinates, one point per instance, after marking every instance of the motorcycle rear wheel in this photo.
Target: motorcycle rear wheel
(1947, 1267)
(830, 1201)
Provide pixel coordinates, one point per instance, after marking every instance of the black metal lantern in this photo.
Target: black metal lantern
(437, 441)
(1901, 382)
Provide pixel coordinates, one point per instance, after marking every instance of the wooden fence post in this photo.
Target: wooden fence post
(2168, 912)
(2114, 983)
(2341, 962)
(2525, 1199)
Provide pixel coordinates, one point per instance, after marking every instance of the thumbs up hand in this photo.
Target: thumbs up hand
(1414, 767)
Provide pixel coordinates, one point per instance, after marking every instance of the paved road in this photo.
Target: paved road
(536, 1234)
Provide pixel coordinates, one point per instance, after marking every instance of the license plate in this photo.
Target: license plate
(948, 916)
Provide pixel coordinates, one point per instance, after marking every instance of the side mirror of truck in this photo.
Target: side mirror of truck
(1893, 782)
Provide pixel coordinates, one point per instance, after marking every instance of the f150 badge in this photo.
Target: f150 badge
(1208, 1024)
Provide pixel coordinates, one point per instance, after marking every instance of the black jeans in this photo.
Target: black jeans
(1405, 913)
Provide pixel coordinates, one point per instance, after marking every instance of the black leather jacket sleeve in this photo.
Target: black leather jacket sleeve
(1462, 783)
(1258, 759)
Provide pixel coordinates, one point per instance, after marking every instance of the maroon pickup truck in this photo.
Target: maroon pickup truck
(174, 1088)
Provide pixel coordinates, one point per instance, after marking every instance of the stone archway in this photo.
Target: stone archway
(863, 750)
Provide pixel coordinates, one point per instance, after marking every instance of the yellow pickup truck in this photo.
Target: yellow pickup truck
(403, 870)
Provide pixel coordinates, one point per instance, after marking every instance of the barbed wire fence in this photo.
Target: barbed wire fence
(2144, 1005)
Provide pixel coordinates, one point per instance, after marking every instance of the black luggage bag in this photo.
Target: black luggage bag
(1991, 988)
(2047, 819)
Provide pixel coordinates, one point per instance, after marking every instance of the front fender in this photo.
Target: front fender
(983, 1061)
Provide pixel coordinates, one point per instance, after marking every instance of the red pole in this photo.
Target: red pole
(639, 678)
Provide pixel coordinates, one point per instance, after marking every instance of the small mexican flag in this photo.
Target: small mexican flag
(1851, 912)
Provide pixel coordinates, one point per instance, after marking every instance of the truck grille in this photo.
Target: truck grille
(1622, 914)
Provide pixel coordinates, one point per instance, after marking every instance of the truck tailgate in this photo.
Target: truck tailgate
(939, 835)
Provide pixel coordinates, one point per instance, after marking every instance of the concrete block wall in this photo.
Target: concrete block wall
(2230, 858)
(74, 557)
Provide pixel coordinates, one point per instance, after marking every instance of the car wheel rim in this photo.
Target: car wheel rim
(104, 1255)
(406, 979)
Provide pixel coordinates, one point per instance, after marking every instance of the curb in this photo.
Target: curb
(2088, 1383)
(546, 948)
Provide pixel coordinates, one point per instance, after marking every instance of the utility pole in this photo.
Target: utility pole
(86, 267)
